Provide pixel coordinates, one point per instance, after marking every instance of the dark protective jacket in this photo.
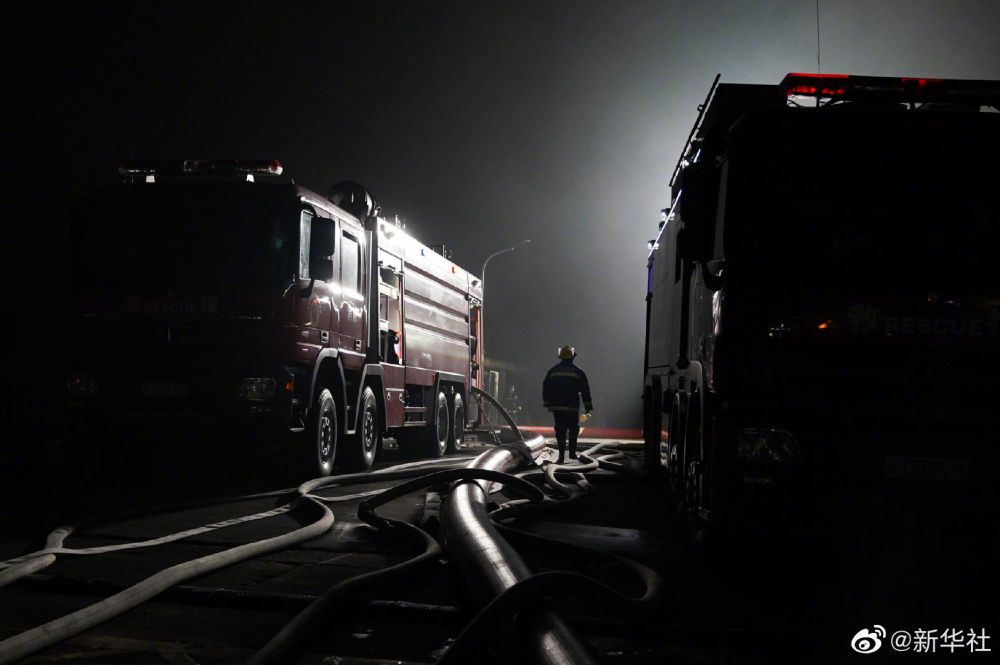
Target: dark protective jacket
(563, 386)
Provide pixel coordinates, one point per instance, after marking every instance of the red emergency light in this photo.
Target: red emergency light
(812, 85)
(845, 87)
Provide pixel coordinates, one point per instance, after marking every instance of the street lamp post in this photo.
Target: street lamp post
(482, 314)
(482, 273)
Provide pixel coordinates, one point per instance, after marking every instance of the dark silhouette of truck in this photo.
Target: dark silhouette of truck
(221, 294)
(823, 301)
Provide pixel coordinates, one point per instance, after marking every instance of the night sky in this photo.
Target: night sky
(478, 123)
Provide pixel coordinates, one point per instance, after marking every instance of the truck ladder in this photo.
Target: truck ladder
(686, 152)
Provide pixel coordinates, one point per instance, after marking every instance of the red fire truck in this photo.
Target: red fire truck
(823, 300)
(222, 293)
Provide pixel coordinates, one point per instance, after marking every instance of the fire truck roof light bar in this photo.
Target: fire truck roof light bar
(892, 89)
(202, 166)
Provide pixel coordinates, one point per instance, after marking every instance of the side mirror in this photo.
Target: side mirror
(321, 248)
(699, 201)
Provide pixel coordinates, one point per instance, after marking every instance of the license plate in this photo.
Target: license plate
(927, 468)
(164, 389)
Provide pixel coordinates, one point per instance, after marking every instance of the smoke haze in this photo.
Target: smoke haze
(480, 124)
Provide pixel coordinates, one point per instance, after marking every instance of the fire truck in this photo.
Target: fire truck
(823, 301)
(221, 294)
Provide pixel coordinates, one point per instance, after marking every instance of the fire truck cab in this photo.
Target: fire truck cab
(215, 293)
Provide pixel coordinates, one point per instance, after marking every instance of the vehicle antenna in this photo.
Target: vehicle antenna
(819, 69)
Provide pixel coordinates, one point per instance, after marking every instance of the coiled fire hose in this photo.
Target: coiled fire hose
(346, 594)
(35, 639)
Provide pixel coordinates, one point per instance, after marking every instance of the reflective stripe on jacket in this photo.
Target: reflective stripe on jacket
(563, 386)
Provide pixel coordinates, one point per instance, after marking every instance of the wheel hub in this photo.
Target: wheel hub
(369, 430)
(325, 439)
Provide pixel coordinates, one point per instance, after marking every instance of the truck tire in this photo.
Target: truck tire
(320, 447)
(457, 429)
(651, 435)
(694, 459)
(360, 447)
(676, 475)
(437, 433)
(703, 533)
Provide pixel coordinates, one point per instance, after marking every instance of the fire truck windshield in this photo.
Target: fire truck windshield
(164, 237)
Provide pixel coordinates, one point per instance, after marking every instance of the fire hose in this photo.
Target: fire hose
(488, 562)
(40, 637)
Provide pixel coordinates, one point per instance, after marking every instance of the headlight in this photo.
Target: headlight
(82, 385)
(258, 389)
(770, 446)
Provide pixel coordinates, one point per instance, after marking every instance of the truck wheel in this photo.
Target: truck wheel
(702, 532)
(363, 444)
(651, 435)
(694, 460)
(436, 434)
(675, 459)
(457, 429)
(321, 443)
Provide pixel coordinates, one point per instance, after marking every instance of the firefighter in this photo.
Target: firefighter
(562, 389)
